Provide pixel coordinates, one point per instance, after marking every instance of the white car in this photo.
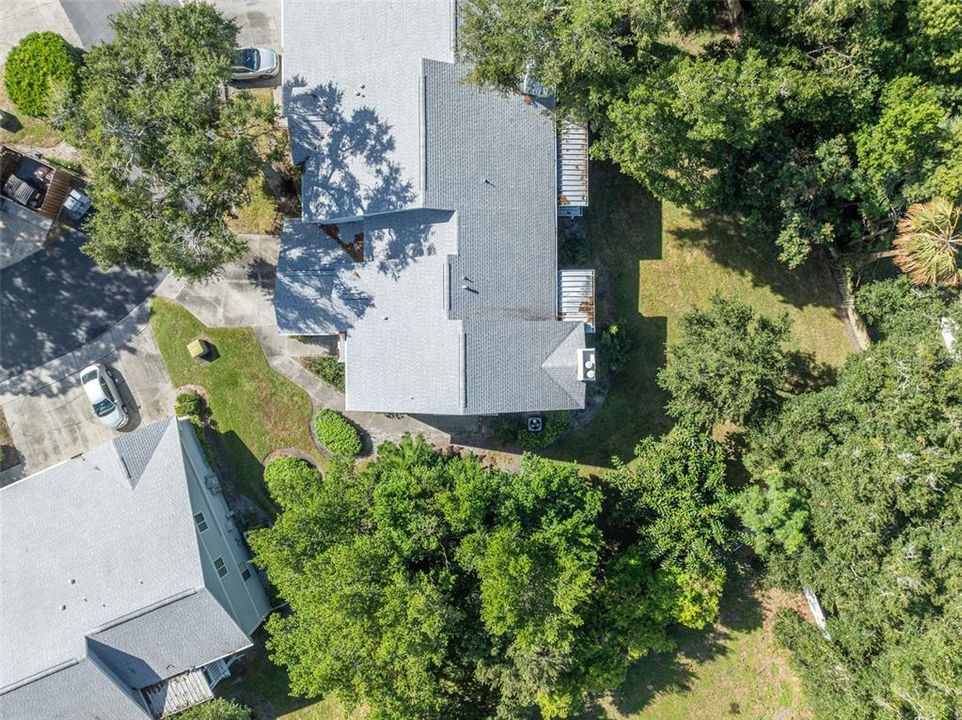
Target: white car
(254, 63)
(101, 391)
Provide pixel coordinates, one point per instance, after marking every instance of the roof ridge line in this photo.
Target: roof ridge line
(40, 675)
(142, 611)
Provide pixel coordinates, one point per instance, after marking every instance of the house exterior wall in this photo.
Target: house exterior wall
(245, 600)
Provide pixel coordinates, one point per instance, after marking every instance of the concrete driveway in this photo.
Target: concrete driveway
(259, 21)
(48, 414)
(21, 17)
(84, 23)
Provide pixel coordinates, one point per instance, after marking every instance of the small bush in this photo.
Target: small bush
(289, 479)
(188, 404)
(218, 709)
(337, 435)
(555, 425)
(40, 60)
(329, 370)
(615, 348)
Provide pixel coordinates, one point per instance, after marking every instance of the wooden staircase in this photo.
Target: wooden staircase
(56, 194)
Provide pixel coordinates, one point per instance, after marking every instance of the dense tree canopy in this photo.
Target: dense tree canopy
(861, 500)
(819, 122)
(431, 586)
(728, 365)
(167, 155)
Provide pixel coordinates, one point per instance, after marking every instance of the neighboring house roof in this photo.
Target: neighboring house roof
(103, 582)
(452, 309)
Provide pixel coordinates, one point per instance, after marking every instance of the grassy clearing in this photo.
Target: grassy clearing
(735, 669)
(259, 216)
(254, 409)
(33, 131)
(655, 263)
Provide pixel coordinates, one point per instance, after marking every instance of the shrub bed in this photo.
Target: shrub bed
(328, 369)
(39, 60)
(190, 405)
(337, 435)
(555, 425)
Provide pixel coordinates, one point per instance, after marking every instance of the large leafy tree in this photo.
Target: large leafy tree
(818, 122)
(169, 157)
(431, 586)
(861, 500)
(728, 365)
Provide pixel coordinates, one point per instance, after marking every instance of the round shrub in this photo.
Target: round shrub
(188, 404)
(290, 479)
(337, 435)
(37, 61)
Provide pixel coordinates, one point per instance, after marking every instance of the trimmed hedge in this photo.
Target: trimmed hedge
(37, 61)
(337, 435)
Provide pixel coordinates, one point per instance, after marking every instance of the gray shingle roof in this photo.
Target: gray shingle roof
(455, 309)
(168, 640)
(101, 544)
(82, 690)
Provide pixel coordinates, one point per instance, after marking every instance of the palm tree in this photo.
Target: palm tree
(927, 243)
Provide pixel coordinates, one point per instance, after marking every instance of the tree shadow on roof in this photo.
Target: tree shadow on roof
(345, 154)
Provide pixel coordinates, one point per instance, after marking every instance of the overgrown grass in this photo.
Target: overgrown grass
(328, 369)
(254, 409)
(33, 131)
(259, 216)
(657, 263)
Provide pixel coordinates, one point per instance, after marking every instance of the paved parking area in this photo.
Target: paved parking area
(84, 23)
(259, 21)
(21, 17)
(48, 414)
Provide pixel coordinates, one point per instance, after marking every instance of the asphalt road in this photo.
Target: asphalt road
(57, 300)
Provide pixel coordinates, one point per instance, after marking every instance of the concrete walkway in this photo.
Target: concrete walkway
(22, 233)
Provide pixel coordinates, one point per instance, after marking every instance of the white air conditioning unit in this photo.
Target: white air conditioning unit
(587, 369)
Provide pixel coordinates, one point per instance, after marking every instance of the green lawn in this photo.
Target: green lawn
(657, 262)
(733, 669)
(255, 409)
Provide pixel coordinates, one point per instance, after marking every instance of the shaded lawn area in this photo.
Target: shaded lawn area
(262, 686)
(31, 131)
(656, 263)
(255, 409)
(733, 669)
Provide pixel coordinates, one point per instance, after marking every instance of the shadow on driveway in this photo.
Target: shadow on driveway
(57, 300)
